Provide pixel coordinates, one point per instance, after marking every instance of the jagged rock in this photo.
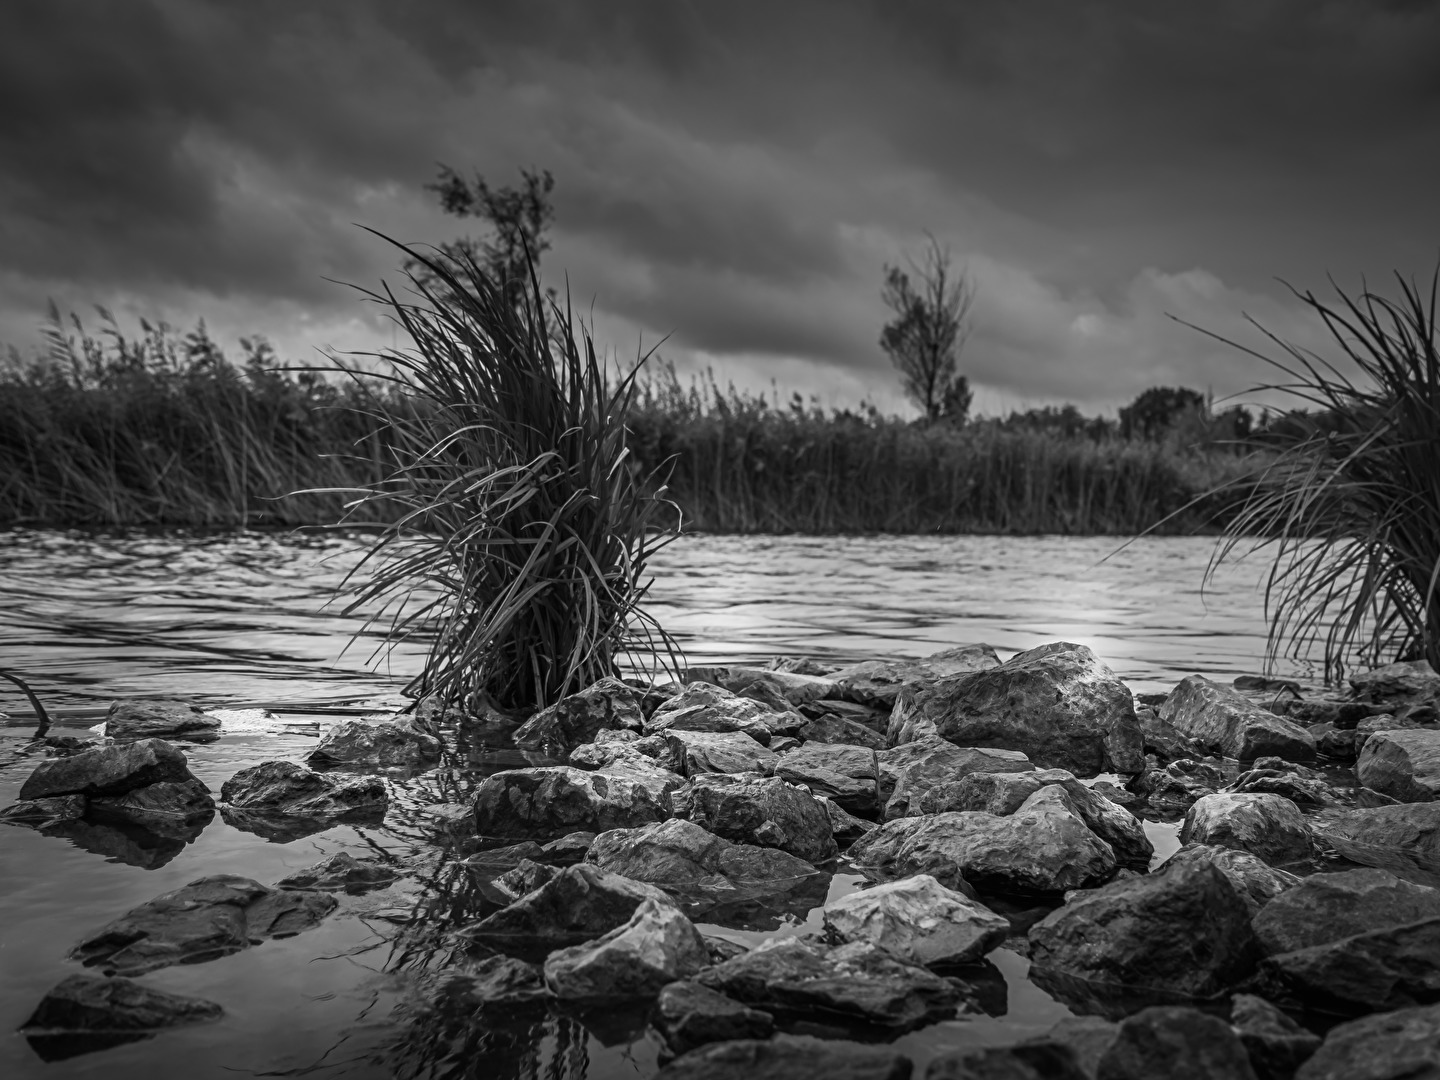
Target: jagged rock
(779, 744)
(801, 665)
(788, 1057)
(496, 982)
(1035, 1059)
(1403, 683)
(838, 730)
(357, 744)
(704, 707)
(1340, 745)
(857, 983)
(568, 849)
(1277, 1045)
(1043, 848)
(341, 872)
(1185, 932)
(793, 687)
(808, 765)
(167, 799)
(1327, 907)
(1381, 722)
(1402, 764)
(1057, 704)
(875, 719)
(108, 770)
(765, 811)
(1399, 837)
(1178, 786)
(696, 752)
(918, 920)
(942, 762)
(681, 854)
(878, 682)
(210, 917)
(1399, 1045)
(1117, 795)
(1267, 826)
(1226, 723)
(638, 764)
(1288, 784)
(1002, 794)
(554, 800)
(47, 811)
(1175, 1042)
(94, 1003)
(523, 878)
(844, 826)
(657, 946)
(282, 787)
(1164, 739)
(579, 903)
(149, 718)
(688, 1015)
(1254, 880)
(1388, 968)
(606, 705)
(499, 859)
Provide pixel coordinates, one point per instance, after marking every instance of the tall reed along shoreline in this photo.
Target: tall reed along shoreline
(166, 430)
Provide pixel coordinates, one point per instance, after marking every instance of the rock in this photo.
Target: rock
(918, 920)
(568, 850)
(341, 872)
(208, 918)
(696, 752)
(801, 665)
(1164, 739)
(108, 770)
(1403, 683)
(1254, 880)
(504, 858)
(688, 1015)
(943, 762)
(1002, 794)
(1035, 1059)
(1177, 1043)
(1402, 764)
(1088, 1037)
(836, 729)
(1277, 1045)
(632, 763)
(1403, 837)
(857, 983)
(357, 744)
(93, 1003)
(496, 982)
(1185, 931)
(1288, 784)
(41, 812)
(1340, 745)
(167, 799)
(1226, 723)
(876, 720)
(552, 801)
(768, 812)
(680, 854)
(606, 705)
(1399, 1045)
(1327, 907)
(149, 718)
(1058, 705)
(1178, 786)
(1381, 722)
(788, 1057)
(579, 903)
(523, 878)
(282, 787)
(703, 707)
(779, 744)
(1043, 848)
(794, 688)
(878, 682)
(1389, 968)
(806, 767)
(844, 826)
(657, 946)
(1268, 826)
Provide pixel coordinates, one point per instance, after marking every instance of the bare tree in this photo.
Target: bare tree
(929, 331)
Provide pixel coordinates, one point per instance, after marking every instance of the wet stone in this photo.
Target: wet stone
(168, 799)
(1225, 722)
(1177, 1043)
(706, 707)
(578, 903)
(767, 812)
(1402, 764)
(658, 945)
(37, 812)
(1268, 826)
(356, 744)
(1403, 1044)
(688, 1015)
(696, 752)
(282, 787)
(495, 982)
(1038, 1059)
(549, 802)
(149, 718)
(96, 1003)
(878, 682)
(944, 764)
(341, 872)
(1327, 907)
(1254, 880)
(524, 878)
(682, 855)
(918, 920)
(1277, 1045)
(606, 705)
(1383, 969)
(108, 770)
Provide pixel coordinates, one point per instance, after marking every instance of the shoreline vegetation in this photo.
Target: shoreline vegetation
(164, 429)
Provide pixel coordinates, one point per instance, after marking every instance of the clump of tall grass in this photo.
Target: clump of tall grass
(517, 526)
(1350, 504)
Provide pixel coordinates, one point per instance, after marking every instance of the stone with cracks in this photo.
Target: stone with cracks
(608, 705)
(149, 718)
(946, 763)
(1327, 907)
(1176, 1043)
(1277, 1045)
(551, 801)
(854, 984)
(657, 946)
(1270, 827)
(357, 744)
(48, 811)
(1254, 880)
(681, 854)
(696, 752)
(524, 877)
(837, 730)
(282, 787)
(851, 794)
(628, 761)
(167, 800)
(1403, 837)
(703, 707)
(1405, 683)
(578, 903)
(1227, 723)
(341, 872)
(765, 811)
(1057, 704)
(1402, 764)
(688, 1015)
(878, 682)
(845, 826)
(788, 1057)
(1184, 932)
(108, 770)
(1388, 968)
(95, 1003)
(918, 920)
(793, 687)
(1399, 1045)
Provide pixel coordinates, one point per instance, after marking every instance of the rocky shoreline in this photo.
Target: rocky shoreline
(991, 805)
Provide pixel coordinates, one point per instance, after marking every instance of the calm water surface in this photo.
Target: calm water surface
(241, 620)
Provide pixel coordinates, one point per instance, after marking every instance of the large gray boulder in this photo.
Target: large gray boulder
(766, 811)
(680, 854)
(657, 946)
(1387, 968)
(284, 788)
(943, 762)
(108, 770)
(1057, 704)
(1268, 826)
(1227, 723)
(1327, 907)
(1399, 1045)
(1183, 932)
(1402, 764)
(788, 1057)
(151, 718)
(1402, 837)
(357, 744)
(1044, 848)
(878, 682)
(918, 920)
(578, 903)
(547, 802)
(1255, 881)
(606, 705)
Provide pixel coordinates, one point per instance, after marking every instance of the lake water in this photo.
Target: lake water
(240, 620)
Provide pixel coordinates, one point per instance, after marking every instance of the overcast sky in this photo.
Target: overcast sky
(736, 174)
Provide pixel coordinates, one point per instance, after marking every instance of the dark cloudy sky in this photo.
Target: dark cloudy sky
(736, 174)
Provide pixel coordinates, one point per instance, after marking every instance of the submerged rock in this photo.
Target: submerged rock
(1227, 723)
(1178, 1043)
(688, 1015)
(1254, 880)
(788, 1057)
(1327, 907)
(151, 718)
(878, 682)
(341, 872)
(578, 903)
(945, 763)
(1402, 764)
(1268, 826)
(1185, 932)
(282, 787)
(918, 920)
(208, 918)
(1277, 1045)
(95, 1003)
(357, 744)
(765, 811)
(48, 811)
(681, 854)
(551, 801)
(657, 946)
(605, 705)
(1057, 704)
(108, 770)
(1399, 1045)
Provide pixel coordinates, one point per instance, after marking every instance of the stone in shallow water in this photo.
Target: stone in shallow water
(579, 903)
(96, 1003)
(1255, 881)
(918, 920)
(282, 787)
(1404, 838)
(358, 744)
(1224, 722)
(341, 872)
(657, 946)
(808, 765)
(1268, 826)
(551, 801)
(788, 1057)
(943, 762)
(38, 812)
(765, 811)
(523, 878)
(149, 718)
(706, 707)
(830, 728)
(168, 799)
(681, 854)
(606, 705)
(1399, 1045)
(688, 1015)
(108, 770)
(496, 982)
